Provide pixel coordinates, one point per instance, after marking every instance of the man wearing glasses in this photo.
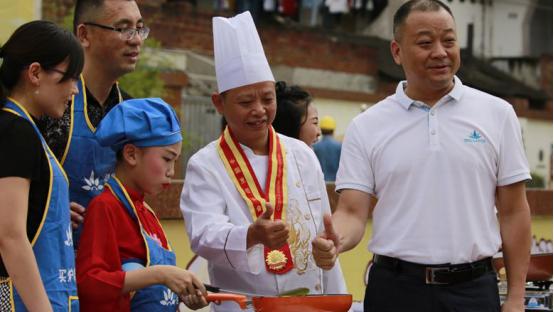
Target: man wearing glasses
(111, 33)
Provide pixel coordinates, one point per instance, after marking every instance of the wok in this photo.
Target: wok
(309, 303)
(540, 267)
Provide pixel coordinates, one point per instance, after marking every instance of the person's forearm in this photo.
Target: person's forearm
(139, 279)
(349, 228)
(516, 240)
(22, 268)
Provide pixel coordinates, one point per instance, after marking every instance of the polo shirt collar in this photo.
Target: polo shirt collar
(406, 102)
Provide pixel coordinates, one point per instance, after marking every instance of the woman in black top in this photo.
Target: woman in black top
(40, 67)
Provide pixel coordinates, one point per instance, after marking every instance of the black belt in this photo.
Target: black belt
(442, 274)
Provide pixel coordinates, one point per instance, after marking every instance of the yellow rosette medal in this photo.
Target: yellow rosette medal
(276, 260)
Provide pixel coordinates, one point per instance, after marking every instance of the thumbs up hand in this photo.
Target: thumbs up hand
(268, 212)
(326, 245)
(270, 233)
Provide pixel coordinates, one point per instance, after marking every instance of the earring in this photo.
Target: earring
(36, 92)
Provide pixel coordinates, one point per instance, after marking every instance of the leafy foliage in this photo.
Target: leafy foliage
(536, 182)
(145, 81)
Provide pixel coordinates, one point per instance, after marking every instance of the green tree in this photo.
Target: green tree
(145, 80)
(537, 181)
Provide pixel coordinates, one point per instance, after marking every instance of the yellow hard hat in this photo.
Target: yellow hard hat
(327, 123)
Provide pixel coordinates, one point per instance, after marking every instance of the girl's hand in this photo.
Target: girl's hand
(181, 282)
(195, 301)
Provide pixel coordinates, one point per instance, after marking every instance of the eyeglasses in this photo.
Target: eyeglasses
(125, 33)
(63, 73)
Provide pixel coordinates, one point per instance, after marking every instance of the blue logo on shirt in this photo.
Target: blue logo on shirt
(474, 137)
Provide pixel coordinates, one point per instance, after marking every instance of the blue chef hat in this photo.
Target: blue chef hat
(142, 122)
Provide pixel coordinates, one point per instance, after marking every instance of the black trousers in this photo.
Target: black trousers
(391, 291)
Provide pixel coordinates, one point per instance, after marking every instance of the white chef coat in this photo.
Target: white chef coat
(217, 220)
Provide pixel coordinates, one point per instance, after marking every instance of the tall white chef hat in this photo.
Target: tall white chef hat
(239, 55)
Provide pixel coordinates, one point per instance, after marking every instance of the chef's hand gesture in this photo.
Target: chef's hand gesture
(270, 233)
(325, 246)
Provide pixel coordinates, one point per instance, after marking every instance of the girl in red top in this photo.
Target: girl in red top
(124, 262)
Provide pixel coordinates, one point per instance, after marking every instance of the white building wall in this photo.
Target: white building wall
(466, 13)
(342, 111)
(510, 26)
(537, 137)
(381, 27)
(500, 29)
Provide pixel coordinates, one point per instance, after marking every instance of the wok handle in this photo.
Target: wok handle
(211, 288)
(218, 298)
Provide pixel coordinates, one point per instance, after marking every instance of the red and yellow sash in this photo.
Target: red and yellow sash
(278, 261)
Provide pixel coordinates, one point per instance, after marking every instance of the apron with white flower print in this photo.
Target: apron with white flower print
(88, 165)
(156, 297)
(53, 242)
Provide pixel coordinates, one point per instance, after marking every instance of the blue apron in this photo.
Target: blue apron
(88, 165)
(156, 297)
(53, 242)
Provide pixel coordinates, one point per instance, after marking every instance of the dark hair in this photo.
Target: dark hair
(38, 41)
(84, 9)
(416, 5)
(292, 108)
(119, 155)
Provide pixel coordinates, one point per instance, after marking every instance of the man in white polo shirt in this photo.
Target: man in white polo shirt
(438, 155)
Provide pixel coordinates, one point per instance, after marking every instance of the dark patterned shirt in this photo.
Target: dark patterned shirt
(56, 131)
